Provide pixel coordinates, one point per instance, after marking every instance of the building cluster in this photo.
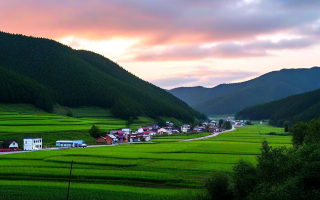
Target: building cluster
(145, 133)
(32, 144)
(29, 144)
(122, 135)
(127, 135)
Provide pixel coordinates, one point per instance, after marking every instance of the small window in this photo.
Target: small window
(34, 141)
(25, 142)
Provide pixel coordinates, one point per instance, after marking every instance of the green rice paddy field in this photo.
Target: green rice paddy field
(164, 170)
(20, 120)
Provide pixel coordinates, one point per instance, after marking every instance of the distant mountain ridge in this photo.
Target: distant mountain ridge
(295, 108)
(230, 98)
(44, 72)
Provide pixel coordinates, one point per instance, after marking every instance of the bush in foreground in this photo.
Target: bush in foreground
(281, 173)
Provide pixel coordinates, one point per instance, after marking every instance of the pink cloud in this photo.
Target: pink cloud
(204, 76)
(156, 22)
(224, 50)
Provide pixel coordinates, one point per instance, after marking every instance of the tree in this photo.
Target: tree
(196, 122)
(244, 179)
(161, 122)
(130, 121)
(217, 186)
(207, 128)
(94, 131)
(228, 125)
(286, 126)
(306, 133)
(220, 124)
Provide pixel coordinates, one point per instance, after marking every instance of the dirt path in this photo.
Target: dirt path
(209, 136)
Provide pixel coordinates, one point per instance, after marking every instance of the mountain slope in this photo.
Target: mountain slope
(230, 98)
(80, 78)
(302, 107)
(18, 89)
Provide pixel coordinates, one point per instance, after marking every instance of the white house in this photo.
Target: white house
(140, 130)
(185, 128)
(152, 133)
(126, 131)
(169, 130)
(146, 137)
(162, 131)
(30, 144)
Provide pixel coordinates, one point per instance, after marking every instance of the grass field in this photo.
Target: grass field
(175, 138)
(166, 170)
(20, 120)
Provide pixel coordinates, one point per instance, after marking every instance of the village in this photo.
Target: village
(126, 135)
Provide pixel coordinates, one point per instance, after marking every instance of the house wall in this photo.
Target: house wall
(162, 131)
(14, 145)
(32, 144)
(147, 138)
(106, 140)
(27, 144)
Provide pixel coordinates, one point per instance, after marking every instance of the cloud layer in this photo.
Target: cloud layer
(203, 76)
(175, 30)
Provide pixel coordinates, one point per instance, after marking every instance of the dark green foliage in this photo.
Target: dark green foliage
(207, 128)
(94, 132)
(243, 179)
(161, 122)
(306, 133)
(129, 122)
(69, 114)
(228, 125)
(217, 186)
(57, 73)
(231, 98)
(196, 122)
(281, 173)
(15, 88)
(286, 126)
(280, 134)
(248, 122)
(221, 123)
(302, 107)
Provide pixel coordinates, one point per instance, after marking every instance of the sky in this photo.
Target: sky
(175, 43)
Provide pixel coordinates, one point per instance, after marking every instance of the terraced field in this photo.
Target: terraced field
(20, 120)
(166, 170)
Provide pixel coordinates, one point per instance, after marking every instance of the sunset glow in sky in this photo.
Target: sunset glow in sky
(174, 43)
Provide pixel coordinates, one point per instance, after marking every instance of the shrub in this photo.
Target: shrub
(217, 186)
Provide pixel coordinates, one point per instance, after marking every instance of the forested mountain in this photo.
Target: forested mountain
(19, 89)
(302, 107)
(55, 73)
(230, 98)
